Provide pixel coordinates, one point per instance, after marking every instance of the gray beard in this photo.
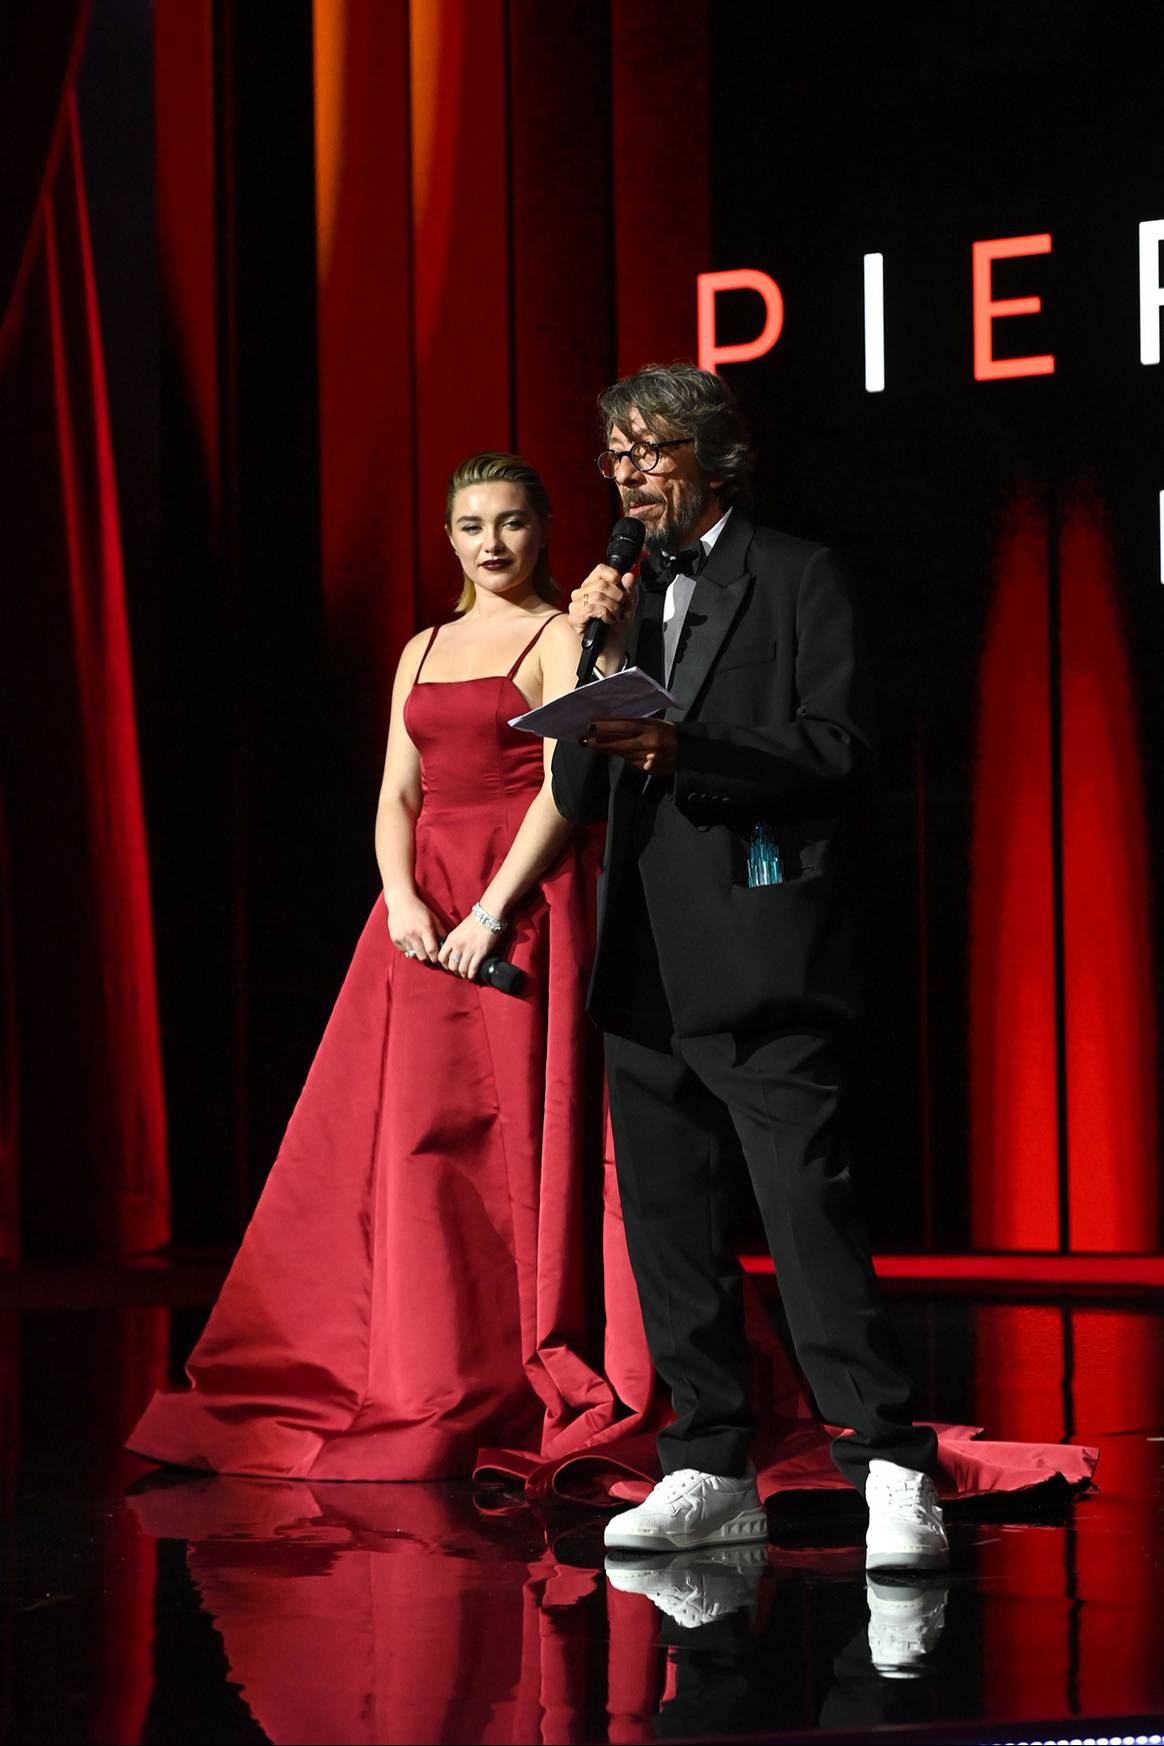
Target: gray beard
(675, 534)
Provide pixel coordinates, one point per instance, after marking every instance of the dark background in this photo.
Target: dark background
(327, 267)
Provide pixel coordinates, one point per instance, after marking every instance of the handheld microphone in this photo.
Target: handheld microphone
(499, 973)
(496, 973)
(622, 553)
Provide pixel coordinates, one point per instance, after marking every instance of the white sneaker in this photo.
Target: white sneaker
(904, 1626)
(905, 1520)
(689, 1508)
(694, 1588)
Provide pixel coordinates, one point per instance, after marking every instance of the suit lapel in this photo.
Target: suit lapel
(720, 592)
(645, 643)
(644, 648)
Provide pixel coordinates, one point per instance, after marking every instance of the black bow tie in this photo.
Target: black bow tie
(688, 562)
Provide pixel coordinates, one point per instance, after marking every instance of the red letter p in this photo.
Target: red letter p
(737, 279)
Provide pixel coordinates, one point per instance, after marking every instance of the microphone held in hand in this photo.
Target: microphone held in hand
(622, 554)
(499, 973)
(496, 973)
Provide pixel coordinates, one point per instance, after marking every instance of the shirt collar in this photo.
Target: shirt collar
(706, 540)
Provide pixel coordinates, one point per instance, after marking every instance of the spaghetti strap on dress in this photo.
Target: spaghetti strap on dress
(513, 671)
(427, 651)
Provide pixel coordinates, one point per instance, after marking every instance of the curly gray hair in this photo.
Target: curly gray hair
(685, 400)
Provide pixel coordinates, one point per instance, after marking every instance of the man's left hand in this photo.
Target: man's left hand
(650, 746)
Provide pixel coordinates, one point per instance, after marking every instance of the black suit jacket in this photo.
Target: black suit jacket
(775, 715)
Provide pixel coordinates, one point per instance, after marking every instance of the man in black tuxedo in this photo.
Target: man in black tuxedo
(723, 999)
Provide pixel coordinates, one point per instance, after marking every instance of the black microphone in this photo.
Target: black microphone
(496, 973)
(622, 554)
(499, 973)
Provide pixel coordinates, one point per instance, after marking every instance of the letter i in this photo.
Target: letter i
(874, 324)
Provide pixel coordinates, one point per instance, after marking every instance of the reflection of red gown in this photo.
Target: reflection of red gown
(429, 1262)
(434, 1279)
(366, 1614)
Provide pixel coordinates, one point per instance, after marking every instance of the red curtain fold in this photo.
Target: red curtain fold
(462, 262)
(1110, 1043)
(1013, 1145)
(364, 266)
(662, 222)
(1099, 994)
(91, 1138)
(564, 286)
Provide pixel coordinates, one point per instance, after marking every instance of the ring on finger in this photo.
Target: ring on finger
(408, 952)
(454, 957)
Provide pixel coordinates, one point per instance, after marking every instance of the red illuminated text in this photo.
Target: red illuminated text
(988, 309)
(711, 353)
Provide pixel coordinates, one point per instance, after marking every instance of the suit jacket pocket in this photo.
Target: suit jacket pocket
(799, 860)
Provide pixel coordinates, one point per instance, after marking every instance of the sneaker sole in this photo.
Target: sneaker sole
(748, 1525)
(901, 1560)
(740, 1555)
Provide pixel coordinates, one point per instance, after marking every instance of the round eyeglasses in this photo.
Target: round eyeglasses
(643, 457)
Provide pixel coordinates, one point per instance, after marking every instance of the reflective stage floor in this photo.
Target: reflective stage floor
(142, 1606)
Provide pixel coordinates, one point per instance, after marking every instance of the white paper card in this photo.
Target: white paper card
(626, 696)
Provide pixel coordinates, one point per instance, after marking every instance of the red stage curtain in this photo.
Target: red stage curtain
(91, 1136)
(486, 263)
(1077, 1035)
(1110, 1042)
(364, 267)
(462, 261)
(565, 290)
(1013, 1146)
(660, 93)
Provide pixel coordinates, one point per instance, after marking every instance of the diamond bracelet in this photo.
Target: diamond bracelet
(487, 921)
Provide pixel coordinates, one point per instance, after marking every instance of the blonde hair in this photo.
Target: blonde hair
(496, 467)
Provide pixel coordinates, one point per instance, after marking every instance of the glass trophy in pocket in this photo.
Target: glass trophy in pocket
(764, 864)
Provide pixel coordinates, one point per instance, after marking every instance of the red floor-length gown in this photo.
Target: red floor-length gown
(435, 1262)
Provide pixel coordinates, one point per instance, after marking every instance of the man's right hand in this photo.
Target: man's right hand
(611, 597)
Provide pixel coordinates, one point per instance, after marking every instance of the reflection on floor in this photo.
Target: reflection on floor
(146, 1606)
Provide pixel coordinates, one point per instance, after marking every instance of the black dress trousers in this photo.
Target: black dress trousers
(683, 1112)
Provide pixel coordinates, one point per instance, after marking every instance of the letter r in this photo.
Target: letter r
(1151, 290)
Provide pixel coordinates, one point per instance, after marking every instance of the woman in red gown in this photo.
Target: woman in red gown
(427, 1269)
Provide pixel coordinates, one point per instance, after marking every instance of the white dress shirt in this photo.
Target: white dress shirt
(678, 598)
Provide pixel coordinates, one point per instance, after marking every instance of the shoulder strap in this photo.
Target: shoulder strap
(532, 641)
(432, 639)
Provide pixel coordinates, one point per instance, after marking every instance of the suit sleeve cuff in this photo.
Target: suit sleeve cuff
(705, 790)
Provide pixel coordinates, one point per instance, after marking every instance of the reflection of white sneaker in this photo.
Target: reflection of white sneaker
(904, 1625)
(905, 1520)
(689, 1508)
(694, 1588)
